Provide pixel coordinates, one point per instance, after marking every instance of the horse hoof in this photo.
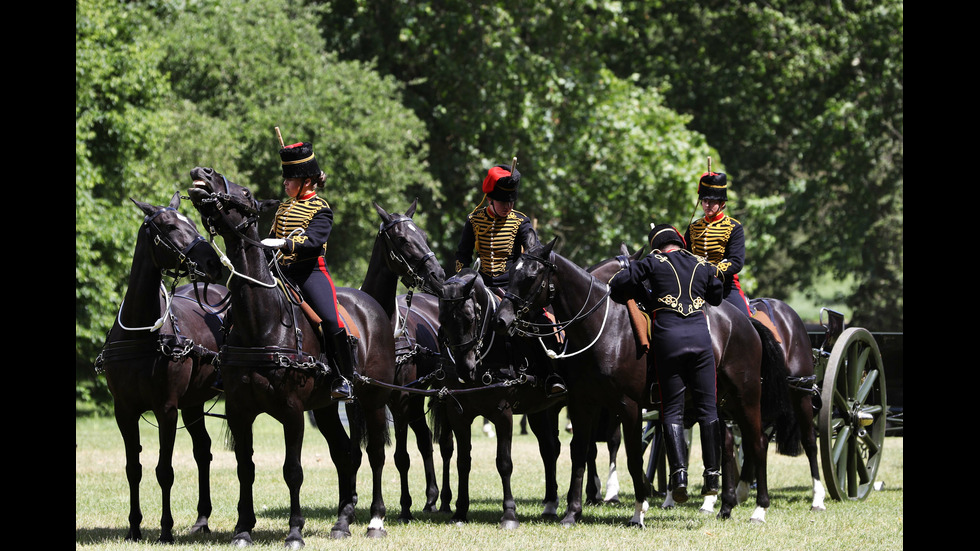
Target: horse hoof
(509, 525)
(295, 544)
(376, 533)
(241, 540)
(201, 526)
(757, 521)
(338, 534)
(634, 524)
(550, 517)
(818, 508)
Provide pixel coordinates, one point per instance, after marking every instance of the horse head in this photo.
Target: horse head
(409, 255)
(531, 287)
(177, 246)
(463, 321)
(226, 208)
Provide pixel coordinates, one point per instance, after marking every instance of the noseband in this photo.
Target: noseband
(477, 340)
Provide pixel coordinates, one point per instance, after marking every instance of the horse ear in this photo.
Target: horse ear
(623, 249)
(637, 254)
(382, 212)
(268, 204)
(175, 201)
(145, 207)
(411, 209)
(468, 288)
(551, 245)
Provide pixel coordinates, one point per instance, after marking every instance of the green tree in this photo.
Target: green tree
(804, 101)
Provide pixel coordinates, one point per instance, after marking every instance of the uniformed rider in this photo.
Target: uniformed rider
(719, 237)
(498, 234)
(300, 232)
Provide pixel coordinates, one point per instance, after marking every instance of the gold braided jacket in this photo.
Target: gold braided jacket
(305, 224)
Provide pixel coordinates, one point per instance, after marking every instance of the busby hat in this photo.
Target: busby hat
(298, 161)
(501, 184)
(713, 185)
(662, 235)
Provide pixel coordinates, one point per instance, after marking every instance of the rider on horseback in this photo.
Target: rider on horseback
(499, 234)
(300, 232)
(719, 237)
(674, 286)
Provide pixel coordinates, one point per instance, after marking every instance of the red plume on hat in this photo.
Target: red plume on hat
(501, 183)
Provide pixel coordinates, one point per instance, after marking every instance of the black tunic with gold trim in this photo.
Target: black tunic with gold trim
(722, 242)
(497, 241)
(674, 287)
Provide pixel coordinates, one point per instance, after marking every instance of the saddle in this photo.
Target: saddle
(765, 319)
(316, 320)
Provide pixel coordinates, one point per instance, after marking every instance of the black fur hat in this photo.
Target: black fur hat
(298, 161)
(713, 185)
(501, 184)
(664, 234)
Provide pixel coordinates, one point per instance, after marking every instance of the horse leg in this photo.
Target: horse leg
(330, 426)
(446, 449)
(760, 444)
(167, 422)
(194, 421)
(544, 425)
(128, 424)
(293, 426)
(593, 486)
(729, 473)
(581, 439)
(504, 424)
(612, 482)
(461, 429)
(240, 425)
(808, 437)
(423, 439)
(403, 463)
(377, 433)
(633, 440)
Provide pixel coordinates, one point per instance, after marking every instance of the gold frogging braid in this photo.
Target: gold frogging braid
(296, 215)
(494, 239)
(709, 239)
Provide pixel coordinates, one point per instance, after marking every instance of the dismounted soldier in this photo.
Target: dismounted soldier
(498, 234)
(719, 237)
(301, 229)
(674, 285)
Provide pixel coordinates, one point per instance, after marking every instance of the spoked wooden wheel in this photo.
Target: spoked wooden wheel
(852, 415)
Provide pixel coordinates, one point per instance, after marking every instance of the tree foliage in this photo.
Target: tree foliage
(611, 108)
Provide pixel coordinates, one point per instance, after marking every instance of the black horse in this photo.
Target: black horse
(401, 251)
(494, 376)
(272, 363)
(612, 371)
(159, 354)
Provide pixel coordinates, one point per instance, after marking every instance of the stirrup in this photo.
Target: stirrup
(341, 390)
(555, 385)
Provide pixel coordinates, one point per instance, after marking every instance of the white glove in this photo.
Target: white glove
(274, 243)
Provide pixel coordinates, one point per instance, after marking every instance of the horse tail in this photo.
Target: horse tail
(229, 438)
(776, 404)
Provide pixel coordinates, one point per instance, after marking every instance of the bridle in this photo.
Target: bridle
(527, 328)
(185, 266)
(476, 341)
(412, 279)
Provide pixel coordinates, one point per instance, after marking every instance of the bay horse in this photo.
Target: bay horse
(489, 375)
(159, 354)
(273, 363)
(401, 252)
(613, 371)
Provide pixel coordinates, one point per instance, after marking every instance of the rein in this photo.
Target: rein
(477, 339)
(525, 306)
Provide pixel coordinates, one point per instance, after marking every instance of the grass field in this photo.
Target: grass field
(101, 502)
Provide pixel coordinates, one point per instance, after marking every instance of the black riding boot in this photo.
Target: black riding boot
(711, 451)
(677, 457)
(345, 360)
(555, 384)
